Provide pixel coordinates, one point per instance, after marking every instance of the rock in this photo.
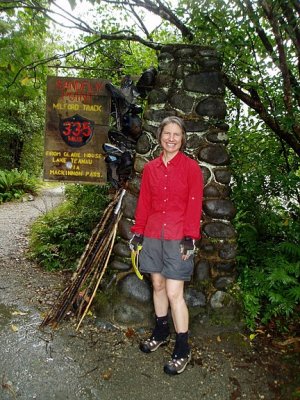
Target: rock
(105, 325)
(194, 298)
(133, 288)
(124, 228)
(119, 265)
(128, 314)
(204, 82)
(194, 141)
(206, 174)
(158, 115)
(211, 190)
(215, 136)
(228, 251)
(157, 96)
(223, 175)
(221, 299)
(134, 185)
(211, 107)
(129, 205)
(121, 249)
(195, 125)
(223, 282)
(219, 208)
(214, 154)
(139, 164)
(219, 230)
(201, 271)
(143, 145)
(224, 267)
(182, 102)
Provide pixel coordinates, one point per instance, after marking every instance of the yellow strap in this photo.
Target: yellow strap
(135, 261)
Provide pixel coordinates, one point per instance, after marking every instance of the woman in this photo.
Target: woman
(167, 222)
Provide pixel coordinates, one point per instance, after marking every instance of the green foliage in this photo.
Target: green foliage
(59, 237)
(251, 38)
(22, 91)
(269, 270)
(265, 190)
(113, 60)
(22, 134)
(14, 184)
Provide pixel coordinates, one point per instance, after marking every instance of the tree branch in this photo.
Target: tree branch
(269, 48)
(141, 23)
(160, 9)
(292, 27)
(287, 98)
(117, 36)
(258, 106)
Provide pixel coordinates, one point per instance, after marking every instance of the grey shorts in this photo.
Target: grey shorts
(164, 257)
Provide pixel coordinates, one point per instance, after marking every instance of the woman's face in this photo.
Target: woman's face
(171, 138)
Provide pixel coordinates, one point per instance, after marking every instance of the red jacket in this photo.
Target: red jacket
(170, 200)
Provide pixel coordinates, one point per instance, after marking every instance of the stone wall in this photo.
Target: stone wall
(189, 85)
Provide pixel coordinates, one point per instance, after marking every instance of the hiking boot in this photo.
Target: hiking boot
(177, 365)
(149, 345)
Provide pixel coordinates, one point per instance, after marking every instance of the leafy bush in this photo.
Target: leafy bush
(269, 269)
(265, 190)
(14, 184)
(59, 237)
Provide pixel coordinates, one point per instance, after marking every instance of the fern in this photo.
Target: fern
(270, 288)
(294, 293)
(13, 184)
(276, 298)
(280, 275)
(290, 249)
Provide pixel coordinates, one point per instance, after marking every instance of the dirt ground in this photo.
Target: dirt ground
(102, 361)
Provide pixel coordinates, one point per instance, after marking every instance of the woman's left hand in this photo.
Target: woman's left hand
(187, 247)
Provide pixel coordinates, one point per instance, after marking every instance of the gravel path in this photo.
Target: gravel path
(103, 361)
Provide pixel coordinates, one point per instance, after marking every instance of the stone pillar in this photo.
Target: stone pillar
(189, 85)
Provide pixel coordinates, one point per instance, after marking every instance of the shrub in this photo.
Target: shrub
(59, 237)
(14, 184)
(269, 271)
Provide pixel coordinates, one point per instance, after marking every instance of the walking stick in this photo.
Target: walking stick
(93, 262)
(111, 239)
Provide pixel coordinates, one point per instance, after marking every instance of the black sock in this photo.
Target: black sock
(182, 348)
(161, 330)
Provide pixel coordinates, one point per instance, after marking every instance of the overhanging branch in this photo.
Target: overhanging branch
(159, 8)
(117, 36)
(257, 105)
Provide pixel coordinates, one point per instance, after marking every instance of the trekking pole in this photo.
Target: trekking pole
(95, 249)
(111, 240)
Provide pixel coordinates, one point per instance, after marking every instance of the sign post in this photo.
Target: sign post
(77, 119)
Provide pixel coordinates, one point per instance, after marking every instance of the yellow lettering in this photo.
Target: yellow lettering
(56, 172)
(84, 161)
(66, 106)
(92, 155)
(57, 106)
(53, 153)
(95, 174)
(94, 107)
(59, 160)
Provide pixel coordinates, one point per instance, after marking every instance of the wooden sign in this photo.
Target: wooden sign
(77, 119)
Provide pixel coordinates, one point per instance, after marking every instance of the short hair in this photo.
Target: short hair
(172, 120)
